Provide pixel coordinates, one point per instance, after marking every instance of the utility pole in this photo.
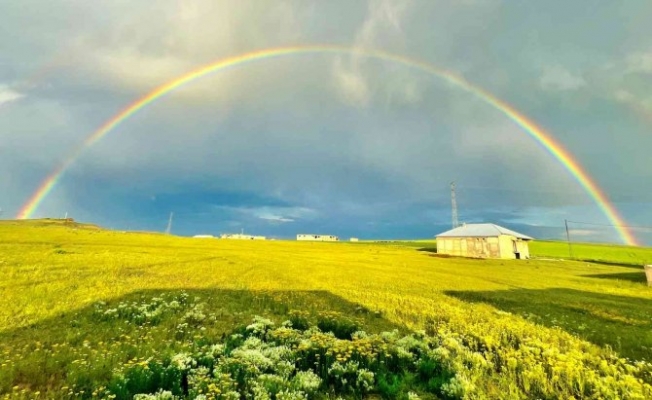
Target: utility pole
(169, 228)
(455, 221)
(570, 248)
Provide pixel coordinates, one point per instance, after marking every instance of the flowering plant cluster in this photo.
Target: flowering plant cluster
(173, 345)
(265, 361)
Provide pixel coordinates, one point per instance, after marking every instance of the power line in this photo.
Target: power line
(620, 226)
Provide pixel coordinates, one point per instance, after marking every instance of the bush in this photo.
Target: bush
(341, 327)
(262, 362)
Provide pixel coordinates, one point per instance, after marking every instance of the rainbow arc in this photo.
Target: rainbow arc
(545, 139)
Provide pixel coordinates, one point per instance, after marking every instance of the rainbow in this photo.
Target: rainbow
(534, 131)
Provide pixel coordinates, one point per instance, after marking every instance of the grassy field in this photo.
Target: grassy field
(598, 253)
(497, 329)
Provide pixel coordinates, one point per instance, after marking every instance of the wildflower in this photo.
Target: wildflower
(183, 361)
(306, 381)
(365, 380)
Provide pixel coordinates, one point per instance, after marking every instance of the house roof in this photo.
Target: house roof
(481, 230)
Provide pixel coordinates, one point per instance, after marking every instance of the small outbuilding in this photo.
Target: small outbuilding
(317, 238)
(241, 236)
(483, 241)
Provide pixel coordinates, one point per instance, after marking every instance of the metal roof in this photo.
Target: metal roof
(481, 230)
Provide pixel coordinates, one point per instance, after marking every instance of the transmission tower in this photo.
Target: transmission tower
(454, 205)
(169, 228)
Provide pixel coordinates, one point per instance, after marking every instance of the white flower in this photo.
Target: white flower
(404, 354)
(389, 336)
(284, 368)
(216, 350)
(279, 353)
(336, 370)
(357, 335)
(457, 387)
(306, 381)
(251, 343)
(365, 380)
(183, 361)
(252, 358)
(258, 392)
(291, 395)
(260, 325)
(162, 395)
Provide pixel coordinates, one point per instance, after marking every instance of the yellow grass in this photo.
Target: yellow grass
(51, 270)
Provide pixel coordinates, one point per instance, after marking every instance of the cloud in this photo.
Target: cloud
(272, 213)
(275, 218)
(383, 21)
(558, 78)
(155, 44)
(8, 94)
(639, 62)
(584, 232)
(352, 84)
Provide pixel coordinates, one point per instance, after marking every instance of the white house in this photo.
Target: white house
(483, 241)
(317, 238)
(241, 236)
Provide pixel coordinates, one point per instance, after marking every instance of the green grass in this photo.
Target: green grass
(613, 254)
(519, 316)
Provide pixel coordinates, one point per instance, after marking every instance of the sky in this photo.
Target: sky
(329, 143)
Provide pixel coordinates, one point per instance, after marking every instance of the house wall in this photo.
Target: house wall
(239, 236)
(469, 247)
(523, 247)
(318, 238)
(490, 247)
(507, 246)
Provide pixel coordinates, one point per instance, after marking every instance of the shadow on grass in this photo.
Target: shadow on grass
(638, 277)
(428, 249)
(611, 263)
(84, 347)
(618, 321)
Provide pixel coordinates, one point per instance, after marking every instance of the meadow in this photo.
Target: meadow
(91, 313)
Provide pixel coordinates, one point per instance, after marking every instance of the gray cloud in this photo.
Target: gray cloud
(337, 142)
(559, 78)
(8, 94)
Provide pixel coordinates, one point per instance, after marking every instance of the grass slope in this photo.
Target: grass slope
(53, 275)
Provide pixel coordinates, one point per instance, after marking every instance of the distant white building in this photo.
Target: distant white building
(483, 241)
(241, 236)
(354, 239)
(317, 238)
(204, 236)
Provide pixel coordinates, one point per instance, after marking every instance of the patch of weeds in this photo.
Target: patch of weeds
(265, 361)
